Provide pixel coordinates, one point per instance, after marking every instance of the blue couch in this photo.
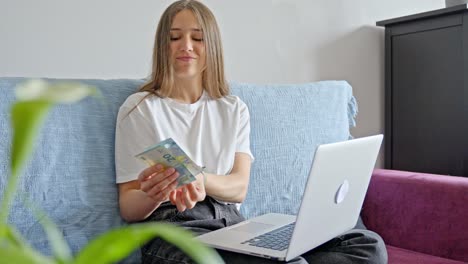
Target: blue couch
(71, 174)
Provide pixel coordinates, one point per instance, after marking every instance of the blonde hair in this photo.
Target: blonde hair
(161, 81)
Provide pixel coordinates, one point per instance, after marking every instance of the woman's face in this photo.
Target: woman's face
(187, 46)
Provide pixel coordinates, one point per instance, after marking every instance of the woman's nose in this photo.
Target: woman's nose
(187, 44)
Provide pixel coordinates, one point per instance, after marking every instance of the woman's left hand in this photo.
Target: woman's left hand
(187, 196)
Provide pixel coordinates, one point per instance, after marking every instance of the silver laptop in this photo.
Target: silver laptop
(331, 204)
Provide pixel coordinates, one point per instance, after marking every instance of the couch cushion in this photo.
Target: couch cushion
(287, 123)
(399, 255)
(418, 211)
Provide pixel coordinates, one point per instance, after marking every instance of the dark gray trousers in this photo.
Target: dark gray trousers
(355, 246)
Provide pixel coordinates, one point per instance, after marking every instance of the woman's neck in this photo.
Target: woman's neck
(187, 91)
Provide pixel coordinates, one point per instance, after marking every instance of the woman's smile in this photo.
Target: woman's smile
(185, 58)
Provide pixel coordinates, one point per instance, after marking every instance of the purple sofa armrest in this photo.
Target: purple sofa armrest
(426, 213)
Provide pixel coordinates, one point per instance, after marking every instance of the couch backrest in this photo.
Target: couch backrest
(71, 175)
(288, 122)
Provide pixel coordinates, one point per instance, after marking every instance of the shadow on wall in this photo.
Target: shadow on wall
(358, 57)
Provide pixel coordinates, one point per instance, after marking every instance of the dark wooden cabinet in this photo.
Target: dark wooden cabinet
(426, 92)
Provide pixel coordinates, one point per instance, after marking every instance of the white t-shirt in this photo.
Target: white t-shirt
(210, 131)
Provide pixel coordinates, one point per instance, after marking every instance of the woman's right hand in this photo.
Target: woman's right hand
(158, 182)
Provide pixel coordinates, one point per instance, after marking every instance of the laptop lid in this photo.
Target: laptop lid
(334, 192)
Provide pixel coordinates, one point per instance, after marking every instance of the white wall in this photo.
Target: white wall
(265, 41)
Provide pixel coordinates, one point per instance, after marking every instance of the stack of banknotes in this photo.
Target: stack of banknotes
(169, 154)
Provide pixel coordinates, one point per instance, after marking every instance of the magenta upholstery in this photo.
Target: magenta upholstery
(419, 213)
(398, 255)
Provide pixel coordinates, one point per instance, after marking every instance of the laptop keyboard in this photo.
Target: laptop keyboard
(277, 239)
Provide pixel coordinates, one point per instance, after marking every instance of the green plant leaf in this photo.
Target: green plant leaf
(57, 92)
(12, 240)
(12, 236)
(27, 118)
(118, 243)
(11, 254)
(57, 242)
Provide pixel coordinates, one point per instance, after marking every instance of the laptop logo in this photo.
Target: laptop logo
(342, 192)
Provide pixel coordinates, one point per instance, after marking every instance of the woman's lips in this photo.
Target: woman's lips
(185, 58)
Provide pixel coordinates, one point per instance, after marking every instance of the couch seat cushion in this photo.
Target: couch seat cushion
(398, 255)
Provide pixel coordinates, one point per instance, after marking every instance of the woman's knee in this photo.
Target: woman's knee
(379, 250)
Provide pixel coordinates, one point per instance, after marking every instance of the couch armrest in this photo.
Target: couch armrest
(426, 213)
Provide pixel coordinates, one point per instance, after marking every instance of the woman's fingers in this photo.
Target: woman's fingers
(160, 184)
(189, 202)
(180, 201)
(158, 178)
(173, 197)
(194, 192)
(169, 182)
(162, 194)
(148, 172)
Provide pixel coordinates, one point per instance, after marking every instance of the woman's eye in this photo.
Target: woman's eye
(175, 38)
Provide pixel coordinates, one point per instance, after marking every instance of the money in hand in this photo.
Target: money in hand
(169, 154)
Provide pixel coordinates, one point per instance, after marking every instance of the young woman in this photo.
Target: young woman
(187, 98)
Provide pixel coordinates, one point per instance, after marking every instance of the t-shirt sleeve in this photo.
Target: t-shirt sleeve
(243, 133)
(134, 133)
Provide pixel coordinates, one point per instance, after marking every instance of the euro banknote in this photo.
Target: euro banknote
(169, 154)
